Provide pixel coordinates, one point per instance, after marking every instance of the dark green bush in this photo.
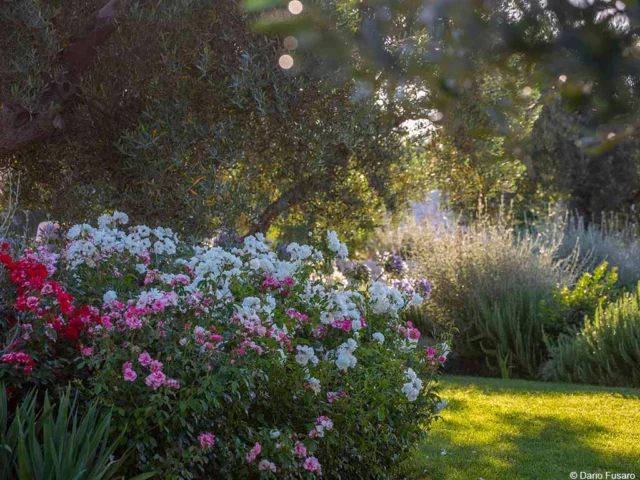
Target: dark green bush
(606, 351)
(509, 330)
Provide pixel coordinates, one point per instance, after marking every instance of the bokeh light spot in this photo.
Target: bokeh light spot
(295, 7)
(286, 62)
(290, 43)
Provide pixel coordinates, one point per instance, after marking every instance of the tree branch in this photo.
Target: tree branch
(274, 210)
(20, 127)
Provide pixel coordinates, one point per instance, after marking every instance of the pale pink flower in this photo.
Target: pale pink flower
(324, 422)
(156, 380)
(207, 440)
(300, 449)
(130, 375)
(145, 359)
(173, 383)
(133, 322)
(267, 465)
(313, 465)
(253, 454)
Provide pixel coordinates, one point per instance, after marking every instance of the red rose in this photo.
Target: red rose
(71, 333)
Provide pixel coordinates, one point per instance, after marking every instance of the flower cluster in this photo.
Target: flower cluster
(44, 312)
(19, 360)
(245, 343)
(413, 387)
(394, 263)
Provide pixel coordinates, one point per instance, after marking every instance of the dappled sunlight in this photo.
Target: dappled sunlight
(518, 429)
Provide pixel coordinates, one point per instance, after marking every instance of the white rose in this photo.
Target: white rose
(109, 296)
(255, 264)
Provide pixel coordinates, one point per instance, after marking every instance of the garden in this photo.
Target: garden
(304, 239)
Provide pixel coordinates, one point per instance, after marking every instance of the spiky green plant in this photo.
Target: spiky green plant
(607, 349)
(56, 443)
(509, 330)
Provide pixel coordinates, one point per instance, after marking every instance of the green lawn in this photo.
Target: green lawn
(517, 430)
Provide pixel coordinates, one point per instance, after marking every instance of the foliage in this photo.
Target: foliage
(572, 305)
(186, 119)
(226, 362)
(613, 240)
(56, 443)
(510, 330)
(476, 156)
(523, 100)
(438, 47)
(491, 284)
(607, 349)
(589, 182)
(506, 429)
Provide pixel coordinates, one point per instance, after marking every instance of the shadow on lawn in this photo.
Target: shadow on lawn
(553, 448)
(529, 447)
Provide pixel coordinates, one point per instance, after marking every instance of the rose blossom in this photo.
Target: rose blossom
(145, 359)
(130, 375)
(313, 465)
(207, 440)
(300, 449)
(156, 380)
(253, 454)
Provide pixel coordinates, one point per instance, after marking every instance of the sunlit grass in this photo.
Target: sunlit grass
(511, 429)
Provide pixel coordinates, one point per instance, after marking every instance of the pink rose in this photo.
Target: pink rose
(156, 366)
(145, 359)
(156, 380)
(130, 375)
(253, 454)
(313, 465)
(207, 440)
(300, 449)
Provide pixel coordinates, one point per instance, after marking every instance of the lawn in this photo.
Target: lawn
(496, 429)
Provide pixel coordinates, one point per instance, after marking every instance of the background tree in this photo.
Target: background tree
(177, 111)
(477, 154)
(590, 182)
(485, 71)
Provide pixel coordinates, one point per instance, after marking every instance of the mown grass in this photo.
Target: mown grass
(496, 429)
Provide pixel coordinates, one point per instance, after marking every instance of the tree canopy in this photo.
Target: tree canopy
(179, 111)
(287, 116)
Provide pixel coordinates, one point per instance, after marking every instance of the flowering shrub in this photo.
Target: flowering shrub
(234, 362)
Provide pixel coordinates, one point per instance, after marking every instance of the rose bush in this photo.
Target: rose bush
(240, 361)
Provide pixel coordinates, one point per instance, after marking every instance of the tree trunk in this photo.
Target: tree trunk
(277, 208)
